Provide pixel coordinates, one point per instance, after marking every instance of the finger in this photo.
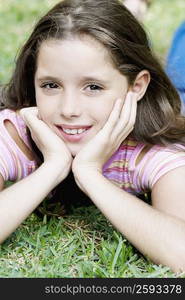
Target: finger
(114, 116)
(128, 114)
(31, 118)
(27, 110)
(127, 106)
(133, 113)
(25, 113)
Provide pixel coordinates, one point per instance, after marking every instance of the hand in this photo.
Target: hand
(101, 147)
(52, 147)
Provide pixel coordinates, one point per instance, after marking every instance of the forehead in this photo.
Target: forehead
(83, 47)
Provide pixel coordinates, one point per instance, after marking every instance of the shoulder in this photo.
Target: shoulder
(11, 124)
(14, 133)
(158, 161)
(17, 158)
(6, 112)
(12, 115)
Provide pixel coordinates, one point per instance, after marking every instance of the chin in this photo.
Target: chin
(75, 148)
(74, 152)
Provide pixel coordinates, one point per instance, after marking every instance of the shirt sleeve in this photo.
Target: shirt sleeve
(3, 168)
(156, 163)
(14, 165)
(7, 160)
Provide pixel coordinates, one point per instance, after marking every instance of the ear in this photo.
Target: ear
(140, 84)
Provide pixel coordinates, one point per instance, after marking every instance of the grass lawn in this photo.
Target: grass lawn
(82, 243)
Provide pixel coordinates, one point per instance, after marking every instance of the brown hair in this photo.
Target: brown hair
(158, 120)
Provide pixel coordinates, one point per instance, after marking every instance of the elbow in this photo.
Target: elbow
(176, 259)
(172, 257)
(178, 268)
(178, 265)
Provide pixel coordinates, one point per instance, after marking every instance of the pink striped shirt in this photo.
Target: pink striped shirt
(14, 165)
(121, 168)
(139, 178)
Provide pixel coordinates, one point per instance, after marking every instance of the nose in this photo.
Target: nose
(70, 105)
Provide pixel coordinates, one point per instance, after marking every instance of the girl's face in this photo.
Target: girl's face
(76, 86)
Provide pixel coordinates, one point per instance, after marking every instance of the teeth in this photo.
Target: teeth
(73, 131)
(81, 130)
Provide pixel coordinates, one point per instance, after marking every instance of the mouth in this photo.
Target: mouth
(73, 133)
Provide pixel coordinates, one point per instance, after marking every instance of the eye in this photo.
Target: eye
(50, 85)
(94, 87)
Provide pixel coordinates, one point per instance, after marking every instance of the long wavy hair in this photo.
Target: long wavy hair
(159, 119)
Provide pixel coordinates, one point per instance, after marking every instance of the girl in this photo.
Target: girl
(97, 104)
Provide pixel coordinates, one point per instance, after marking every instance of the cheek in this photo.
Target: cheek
(46, 116)
(42, 100)
(102, 112)
(105, 115)
(44, 110)
(44, 106)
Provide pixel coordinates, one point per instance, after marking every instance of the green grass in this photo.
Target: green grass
(161, 21)
(82, 243)
(17, 18)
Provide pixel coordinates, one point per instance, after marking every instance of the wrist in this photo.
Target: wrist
(83, 171)
(58, 169)
(82, 174)
(88, 179)
(80, 169)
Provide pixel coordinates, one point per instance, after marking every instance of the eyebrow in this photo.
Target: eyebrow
(85, 78)
(97, 79)
(43, 78)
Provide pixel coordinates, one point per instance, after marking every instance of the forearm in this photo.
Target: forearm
(21, 198)
(148, 229)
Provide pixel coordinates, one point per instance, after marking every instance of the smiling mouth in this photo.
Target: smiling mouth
(73, 131)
